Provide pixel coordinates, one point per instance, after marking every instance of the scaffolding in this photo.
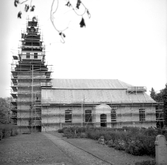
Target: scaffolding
(56, 116)
(29, 74)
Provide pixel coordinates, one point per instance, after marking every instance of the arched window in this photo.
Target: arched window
(68, 116)
(103, 120)
(88, 116)
(113, 115)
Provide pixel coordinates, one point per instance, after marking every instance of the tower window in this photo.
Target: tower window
(27, 55)
(35, 55)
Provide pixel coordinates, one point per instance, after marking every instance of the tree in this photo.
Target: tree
(152, 93)
(4, 110)
(28, 6)
(164, 96)
(156, 96)
(161, 97)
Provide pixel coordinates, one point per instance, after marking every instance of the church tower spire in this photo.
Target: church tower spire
(29, 74)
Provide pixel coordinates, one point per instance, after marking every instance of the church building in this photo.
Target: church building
(41, 103)
(95, 102)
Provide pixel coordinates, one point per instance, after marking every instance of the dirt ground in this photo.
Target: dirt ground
(37, 149)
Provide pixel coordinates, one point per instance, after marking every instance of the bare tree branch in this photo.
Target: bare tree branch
(53, 11)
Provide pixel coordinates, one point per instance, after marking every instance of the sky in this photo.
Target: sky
(123, 39)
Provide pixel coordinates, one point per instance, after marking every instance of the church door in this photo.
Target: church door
(103, 120)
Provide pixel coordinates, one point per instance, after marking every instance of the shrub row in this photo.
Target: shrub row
(136, 141)
(147, 162)
(7, 130)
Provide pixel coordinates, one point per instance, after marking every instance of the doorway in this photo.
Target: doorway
(103, 120)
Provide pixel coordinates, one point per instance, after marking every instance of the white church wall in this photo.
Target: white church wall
(54, 116)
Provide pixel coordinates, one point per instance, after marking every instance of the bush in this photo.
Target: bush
(70, 132)
(60, 131)
(151, 162)
(83, 135)
(141, 145)
(136, 141)
(7, 130)
(14, 132)
(121, 140)
(149, 145)
(1, 134)
(93, 134)
(7, 133)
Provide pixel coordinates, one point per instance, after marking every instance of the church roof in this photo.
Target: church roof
(92, 91)
(89, 83)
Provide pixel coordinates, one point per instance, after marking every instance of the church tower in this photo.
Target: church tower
(29, 74)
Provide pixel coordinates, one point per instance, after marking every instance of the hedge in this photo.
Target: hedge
(7, 130)
(133, 140)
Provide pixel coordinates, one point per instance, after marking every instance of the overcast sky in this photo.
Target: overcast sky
(123, 39)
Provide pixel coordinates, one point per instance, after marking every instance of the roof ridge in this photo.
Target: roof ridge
(89, 83)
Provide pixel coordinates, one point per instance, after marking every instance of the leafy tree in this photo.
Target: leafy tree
(28, 6)
(156, 96)
(152, 93)
(4, 110)
(164, 96)
(161, 97)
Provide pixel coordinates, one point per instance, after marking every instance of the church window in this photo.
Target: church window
(88, 116)
(113, 115)
(27, 55)
(35, 55)
(68, 116)
(142, 115)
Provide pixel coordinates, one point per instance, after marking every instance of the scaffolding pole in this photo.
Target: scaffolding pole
(32, 98)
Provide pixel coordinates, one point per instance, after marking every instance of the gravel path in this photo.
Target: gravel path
(81, 157)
